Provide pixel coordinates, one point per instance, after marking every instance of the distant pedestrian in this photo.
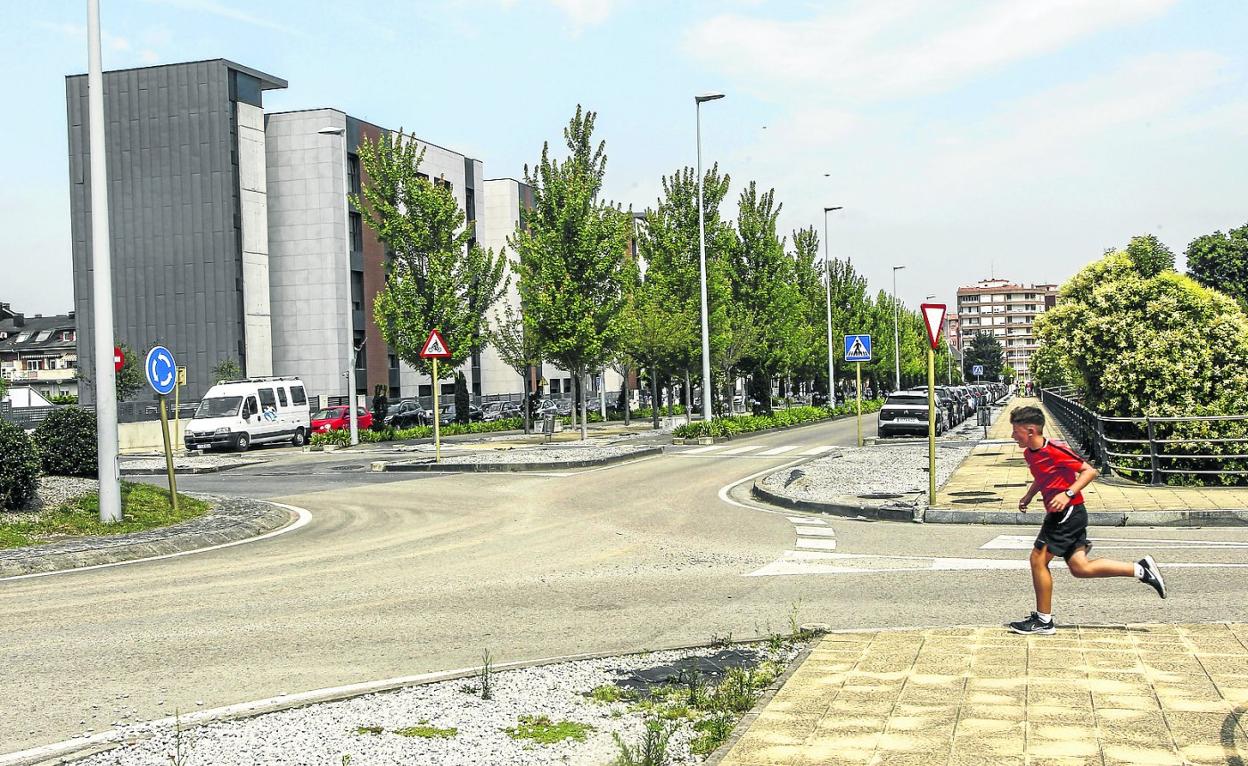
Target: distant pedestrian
(1029, 388)
(1059, 475)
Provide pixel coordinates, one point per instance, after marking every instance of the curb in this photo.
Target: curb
(119, 550)
(188, 471)
(518, 467)
(849, 508)
(750, 434)
(79, 747)
(1213, 518)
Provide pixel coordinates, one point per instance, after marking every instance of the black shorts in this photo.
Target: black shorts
(1065, 532)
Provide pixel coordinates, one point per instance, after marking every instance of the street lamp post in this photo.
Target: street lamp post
(346, 220)
(101, 281)
(827, 279)
(706, 333)
(896, 343)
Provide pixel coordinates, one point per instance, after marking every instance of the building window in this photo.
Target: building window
(357, 233)
(34, 364)
(69, 335)
(353, 173)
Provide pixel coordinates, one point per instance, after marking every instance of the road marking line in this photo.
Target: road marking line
(803, 531)
(779, 450)
(304, 517)
(793, 565)
(806, 520)
(817, 450)
(822, 545)
(741, 450)
(727, 488)
(701, 450)
(1025, 542)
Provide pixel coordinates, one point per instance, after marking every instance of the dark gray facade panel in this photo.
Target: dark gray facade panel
(172, 200)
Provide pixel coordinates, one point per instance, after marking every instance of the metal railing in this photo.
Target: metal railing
(1196, 449)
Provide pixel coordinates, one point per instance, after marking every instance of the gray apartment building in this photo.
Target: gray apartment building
(232, 236)
(187, 213)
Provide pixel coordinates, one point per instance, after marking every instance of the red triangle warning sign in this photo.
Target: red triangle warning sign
(934, 318)
(435, 347)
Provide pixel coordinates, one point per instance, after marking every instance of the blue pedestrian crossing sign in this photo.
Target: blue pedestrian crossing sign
(857, 348)
(162, 371)
(977, 370)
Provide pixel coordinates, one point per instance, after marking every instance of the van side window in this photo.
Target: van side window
(251, 408)
(281, 396)
(297, 396)
(267, 400)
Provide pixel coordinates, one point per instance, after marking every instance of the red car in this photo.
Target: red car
(335, 418)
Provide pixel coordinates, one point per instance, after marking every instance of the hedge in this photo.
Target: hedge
(342, 436)
(19, 468)
(779, 419)
(67, 443)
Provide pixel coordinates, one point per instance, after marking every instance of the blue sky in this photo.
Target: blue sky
(1012, 137)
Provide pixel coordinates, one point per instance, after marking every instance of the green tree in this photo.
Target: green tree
(438, 276)
(986, 350)
(1160, 345)
(763, 283)
(810, 358)
(1150, 255)
(572, 254)
(656, 334)
(130, 379)
(669, 245)
(462, 399)
(1049, 367)
(1220, 261)
(4, 387)
(517, 345)
(226, 369)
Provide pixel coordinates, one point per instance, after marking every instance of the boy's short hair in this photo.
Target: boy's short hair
(1028, 416)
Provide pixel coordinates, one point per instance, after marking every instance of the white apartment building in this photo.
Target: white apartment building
(1007, 311)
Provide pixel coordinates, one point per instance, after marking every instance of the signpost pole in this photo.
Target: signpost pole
(164, 432)
(858, 390)
(931, 426)
(177, 405)
(437, 417)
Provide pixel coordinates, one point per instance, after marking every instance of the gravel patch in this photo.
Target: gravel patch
(853, 471)
(325, 733)
(560, 454)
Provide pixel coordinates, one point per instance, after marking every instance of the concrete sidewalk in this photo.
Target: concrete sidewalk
(994, 476)
(1146, 694)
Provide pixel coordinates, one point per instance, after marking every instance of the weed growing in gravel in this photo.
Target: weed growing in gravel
(426, 731)
(178, 756)
(346, 759)
(691, 679)
(713, 731)
(369, 730)
(608, 693)
(544, 731)
(651, 751)
(487, 669)
(721, 642)
(737, 693)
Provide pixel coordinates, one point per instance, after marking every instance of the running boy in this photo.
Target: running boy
(1059, 474)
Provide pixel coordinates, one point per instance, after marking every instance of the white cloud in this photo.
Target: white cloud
(889, 48)
(78, 32)
(579, 13)
(227, 12)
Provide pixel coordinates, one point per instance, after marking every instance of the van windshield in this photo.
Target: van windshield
(219, 407)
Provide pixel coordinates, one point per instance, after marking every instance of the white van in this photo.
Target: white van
(239, 413)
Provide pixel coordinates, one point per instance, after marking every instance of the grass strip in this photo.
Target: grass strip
(143, 507)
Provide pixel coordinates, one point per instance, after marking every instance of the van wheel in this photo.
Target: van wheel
(242, 442)
(299, 438)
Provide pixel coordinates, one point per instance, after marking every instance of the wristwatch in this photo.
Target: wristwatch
(1071, 494)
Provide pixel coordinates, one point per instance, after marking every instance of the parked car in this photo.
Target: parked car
(237, 414)
(906, 412)
(449, 414)
(406, 414)
(339, 417)
(501, 411)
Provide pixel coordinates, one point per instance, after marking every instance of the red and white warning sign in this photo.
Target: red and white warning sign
(435, 347)
(934, 318)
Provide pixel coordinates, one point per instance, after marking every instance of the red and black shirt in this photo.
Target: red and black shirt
(1055, 467)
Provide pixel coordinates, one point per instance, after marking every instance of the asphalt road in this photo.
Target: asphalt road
(395, 576)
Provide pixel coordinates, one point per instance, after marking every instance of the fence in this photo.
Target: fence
(1158, 450)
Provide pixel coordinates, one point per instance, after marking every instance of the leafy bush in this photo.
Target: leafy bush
(67, 443)
(342, 436)
(779, 419)
(19, 467)
(668, 411)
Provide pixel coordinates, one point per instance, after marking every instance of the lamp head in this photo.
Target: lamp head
(830, 209)
(707, 97)
(330, 131)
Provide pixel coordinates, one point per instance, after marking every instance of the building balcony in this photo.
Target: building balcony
(40, 376)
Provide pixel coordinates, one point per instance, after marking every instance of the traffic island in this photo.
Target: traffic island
(528, 459)
(1129, 694)
(69, 536)
(188, 464)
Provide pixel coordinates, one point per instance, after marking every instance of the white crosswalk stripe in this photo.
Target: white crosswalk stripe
(817, 450)
(803, 520)
(779, 450)
(805, 531)
(816, 544)
(703, 450)
(742, 450)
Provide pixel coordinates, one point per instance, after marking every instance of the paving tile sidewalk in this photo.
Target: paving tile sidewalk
(994, 476)
(1139, 694)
